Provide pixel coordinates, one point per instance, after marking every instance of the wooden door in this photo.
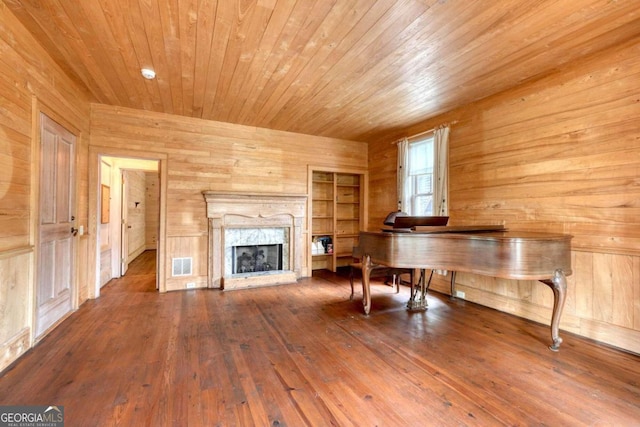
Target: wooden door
(56, 221)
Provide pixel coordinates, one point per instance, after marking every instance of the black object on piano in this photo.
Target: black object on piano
(408, 222)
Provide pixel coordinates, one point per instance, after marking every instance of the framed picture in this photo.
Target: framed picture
(104, 204)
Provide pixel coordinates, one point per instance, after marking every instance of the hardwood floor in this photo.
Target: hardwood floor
(303, 354)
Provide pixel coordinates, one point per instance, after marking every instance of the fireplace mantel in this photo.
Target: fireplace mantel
(234, 210)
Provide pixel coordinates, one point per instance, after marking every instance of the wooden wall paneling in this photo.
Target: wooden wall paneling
(185, 214)
(16, 145)
(542, 296)
(152, 199)
(636, 293)
(15, 189)
(557, 154)
(382, 182)
(136, 208)
(16, 272)
(34, 69)
(623, 290)
(603, 288)
(105, 267)
(582, 282)
(523, 291)
(203, 155)
(18, 118)
(501, 286)
(571, 301)
(623, 338)
(195, 247)
(30, 82)
(18, 83)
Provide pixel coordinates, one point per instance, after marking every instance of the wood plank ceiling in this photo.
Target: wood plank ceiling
(351, 69)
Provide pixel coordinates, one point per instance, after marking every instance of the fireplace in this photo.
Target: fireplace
(256, 258)
(255, 250)
(254, 239)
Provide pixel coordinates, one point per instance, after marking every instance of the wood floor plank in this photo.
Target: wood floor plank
(304, 354)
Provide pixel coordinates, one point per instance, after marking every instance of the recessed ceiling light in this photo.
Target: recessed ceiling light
(148, 73)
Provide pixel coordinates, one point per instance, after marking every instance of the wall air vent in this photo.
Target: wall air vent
(181, 266)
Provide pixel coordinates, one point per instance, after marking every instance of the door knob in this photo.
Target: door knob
(74, 231)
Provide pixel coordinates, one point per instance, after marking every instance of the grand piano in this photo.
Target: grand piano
(485, 250)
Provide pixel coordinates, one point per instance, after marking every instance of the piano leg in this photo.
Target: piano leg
(366, 289)
(420, 302)
(559, 286)
(453, 284)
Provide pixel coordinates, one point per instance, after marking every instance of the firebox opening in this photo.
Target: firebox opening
(257, 258)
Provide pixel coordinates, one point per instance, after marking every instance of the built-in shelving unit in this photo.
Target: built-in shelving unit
(338, 214)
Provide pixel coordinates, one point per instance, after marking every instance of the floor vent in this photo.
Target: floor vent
(181, 266)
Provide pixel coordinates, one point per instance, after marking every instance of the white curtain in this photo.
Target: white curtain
(441, 190)
(403, 175)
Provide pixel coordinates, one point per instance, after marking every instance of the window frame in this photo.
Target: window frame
(413, 192)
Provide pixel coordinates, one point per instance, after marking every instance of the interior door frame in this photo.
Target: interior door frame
(38, 108)
(95, 155)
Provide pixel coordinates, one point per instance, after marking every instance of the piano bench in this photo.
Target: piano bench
(380, 271)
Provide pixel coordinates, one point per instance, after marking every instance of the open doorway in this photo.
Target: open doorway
(129, 213)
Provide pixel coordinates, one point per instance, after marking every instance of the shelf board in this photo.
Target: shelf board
(345, 255)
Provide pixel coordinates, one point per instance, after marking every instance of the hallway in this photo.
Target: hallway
(305, 355)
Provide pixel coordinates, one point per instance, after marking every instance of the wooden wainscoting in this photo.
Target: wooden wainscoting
(601, 303)
(194, 247)
(16, 303)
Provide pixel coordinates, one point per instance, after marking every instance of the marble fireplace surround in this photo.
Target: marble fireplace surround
(229, 213)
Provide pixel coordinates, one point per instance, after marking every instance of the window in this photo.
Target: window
(422, 172)
(420, 177)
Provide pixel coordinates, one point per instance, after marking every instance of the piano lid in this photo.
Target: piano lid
(457, 229)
